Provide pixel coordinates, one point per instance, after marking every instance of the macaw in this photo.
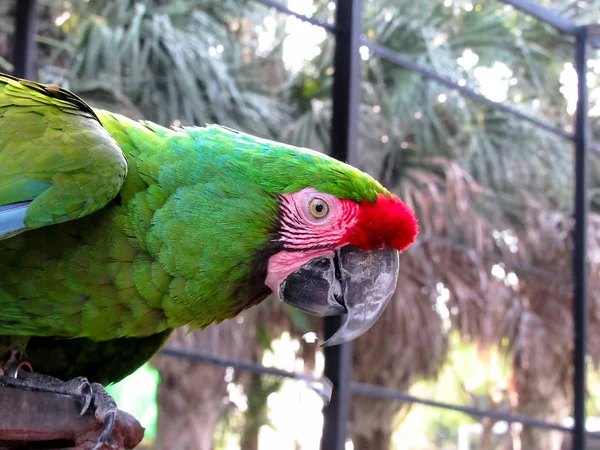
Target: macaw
(114, 232)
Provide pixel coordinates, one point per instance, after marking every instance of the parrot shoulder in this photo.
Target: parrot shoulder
(57, 161)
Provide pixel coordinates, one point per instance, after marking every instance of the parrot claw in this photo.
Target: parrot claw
(106, 411)
(88, 395)
(106, 407)
(80, 387)
(109, 422)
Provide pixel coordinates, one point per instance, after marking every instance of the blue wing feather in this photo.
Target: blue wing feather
(12, 218)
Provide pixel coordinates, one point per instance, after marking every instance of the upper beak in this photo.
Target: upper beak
(350, 281)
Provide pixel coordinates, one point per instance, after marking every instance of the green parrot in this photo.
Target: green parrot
(114, 232)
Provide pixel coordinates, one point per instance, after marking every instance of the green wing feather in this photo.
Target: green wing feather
(55, 155)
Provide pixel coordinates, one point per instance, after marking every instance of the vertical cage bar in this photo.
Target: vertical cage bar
(346, 80)
(338, 368)
(24, 38)
(344, 137)
(580, 241)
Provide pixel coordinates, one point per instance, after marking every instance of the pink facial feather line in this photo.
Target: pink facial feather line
(300, 231)
(386, 223)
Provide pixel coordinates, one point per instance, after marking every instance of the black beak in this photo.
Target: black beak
(353, 282)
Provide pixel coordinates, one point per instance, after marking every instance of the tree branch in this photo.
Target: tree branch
(46, 418)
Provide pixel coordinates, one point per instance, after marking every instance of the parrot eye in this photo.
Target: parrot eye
(318, 208)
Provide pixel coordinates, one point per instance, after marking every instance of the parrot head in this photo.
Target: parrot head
(339, 256)
(319, 234)
(334, 240)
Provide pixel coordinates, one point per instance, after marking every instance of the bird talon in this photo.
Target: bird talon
(106, 410)
(21, 365)
(88, 395)
(109, 422)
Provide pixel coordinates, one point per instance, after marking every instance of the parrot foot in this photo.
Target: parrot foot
(90, 393)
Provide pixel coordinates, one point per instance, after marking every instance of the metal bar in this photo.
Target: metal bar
(384, 393)
(321, 386)
(338, 369)
(543, 14)
(344, 138)
(24, 39)
(346, 81)
(580, 240)
(247, 366)
(284, 9)
(360, 388)
(405, 62)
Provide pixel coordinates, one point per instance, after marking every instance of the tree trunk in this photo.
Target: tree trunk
(183, 424)
(191, 395)
(379, 439)
(372, 422)
(256, 415)
(542, 388)
(249, 439)
(487, 434)
(542, 400)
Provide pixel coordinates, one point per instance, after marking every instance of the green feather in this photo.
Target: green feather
(54, 150)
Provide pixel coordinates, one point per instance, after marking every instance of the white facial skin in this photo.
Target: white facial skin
(313, 224)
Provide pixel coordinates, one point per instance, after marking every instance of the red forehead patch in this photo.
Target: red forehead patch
(389, 222)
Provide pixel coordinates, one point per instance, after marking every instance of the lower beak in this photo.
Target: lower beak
(350, 281)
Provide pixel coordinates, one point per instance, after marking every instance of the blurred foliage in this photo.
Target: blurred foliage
(482, 182)
(469, 377)
(403, 123)
(152, 52)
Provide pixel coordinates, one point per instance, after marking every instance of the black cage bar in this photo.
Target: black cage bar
(347, 32)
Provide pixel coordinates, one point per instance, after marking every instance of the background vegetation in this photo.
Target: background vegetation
(482, 311)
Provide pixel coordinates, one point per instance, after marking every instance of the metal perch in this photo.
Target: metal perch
(36, 419)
